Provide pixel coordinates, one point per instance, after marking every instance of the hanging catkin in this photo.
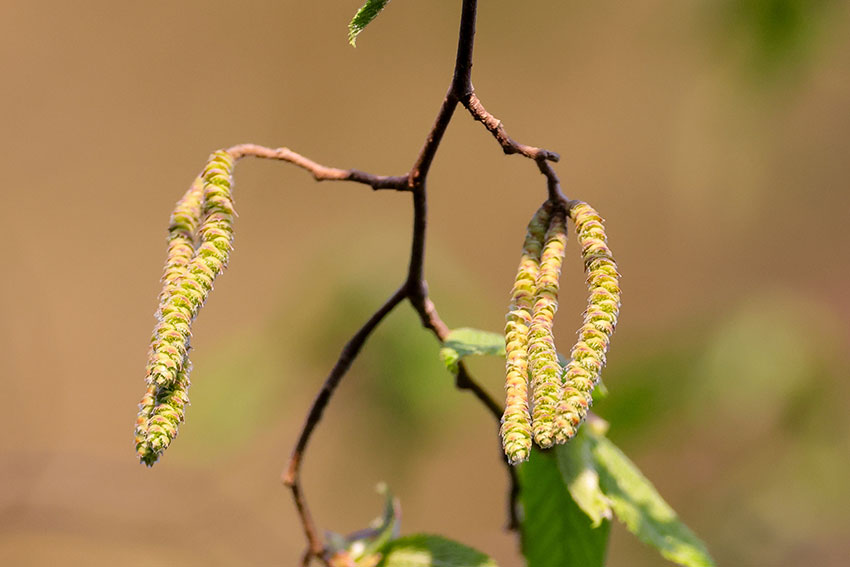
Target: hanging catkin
(516, 421)
(600, 319)
(204, 216)
(543, 359)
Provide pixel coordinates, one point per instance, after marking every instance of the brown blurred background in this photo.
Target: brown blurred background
(714, 135)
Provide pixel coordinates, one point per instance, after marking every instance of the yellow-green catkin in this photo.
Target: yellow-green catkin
(200, 242)
(600, 319)
(543, 359)
(516, 421)
(181, 237)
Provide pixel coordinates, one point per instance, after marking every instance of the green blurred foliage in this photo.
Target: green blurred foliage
(432, 551)
(758, 397)
(402, 381)
(773, 37)
(237, 391)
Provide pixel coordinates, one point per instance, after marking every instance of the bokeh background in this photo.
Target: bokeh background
(714, 135)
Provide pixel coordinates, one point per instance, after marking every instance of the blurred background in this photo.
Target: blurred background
(714, 136)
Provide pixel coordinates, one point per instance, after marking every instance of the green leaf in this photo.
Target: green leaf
(578, 470)
(431, 551)
(468, 342)
(555, 530)
(637, 504)
(364, 16)
(365, 544)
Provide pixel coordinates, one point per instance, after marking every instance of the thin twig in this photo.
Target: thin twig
(419, 171)
(464, 381)
(321, 172)
(473, 104)
(553, 184)
(291, 477)
(431, 320)
(510, 146)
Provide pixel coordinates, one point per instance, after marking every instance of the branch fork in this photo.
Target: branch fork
(414, 289)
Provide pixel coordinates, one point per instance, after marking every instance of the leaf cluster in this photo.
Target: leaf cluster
(570, 494)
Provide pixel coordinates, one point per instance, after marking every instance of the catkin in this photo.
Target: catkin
(600, 319)
(543, 359)
(200, 242)
(516, 421)
(181, 237)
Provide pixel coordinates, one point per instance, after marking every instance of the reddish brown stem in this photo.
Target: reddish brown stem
(495, 127)
(321, 172)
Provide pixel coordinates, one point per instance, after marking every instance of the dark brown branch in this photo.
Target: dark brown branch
(420, 169)
(553, 184)
(461, 86)
(321, 172)
(415, 288)
(462, 79)
(346, 357)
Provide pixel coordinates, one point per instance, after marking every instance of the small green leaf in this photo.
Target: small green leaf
(555, 530)
(365, 544)
(431, 551)
(578, 469)
(637, 504)
(364, 16)
(468, 342)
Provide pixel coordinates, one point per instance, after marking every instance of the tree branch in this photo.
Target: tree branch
(291, 478)
(462, 78)
(415, 288)
(420, 169)
(464, 381)
(553, 184)
(321, 172)
(495, 127)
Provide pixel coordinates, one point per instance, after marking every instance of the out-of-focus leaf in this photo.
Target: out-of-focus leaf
(638, 505)
(556, 532)
(578, 469)
(775, 35)
(468, 342)
(364, 545)
(226, 412)
(431, 551)
(364, 16)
